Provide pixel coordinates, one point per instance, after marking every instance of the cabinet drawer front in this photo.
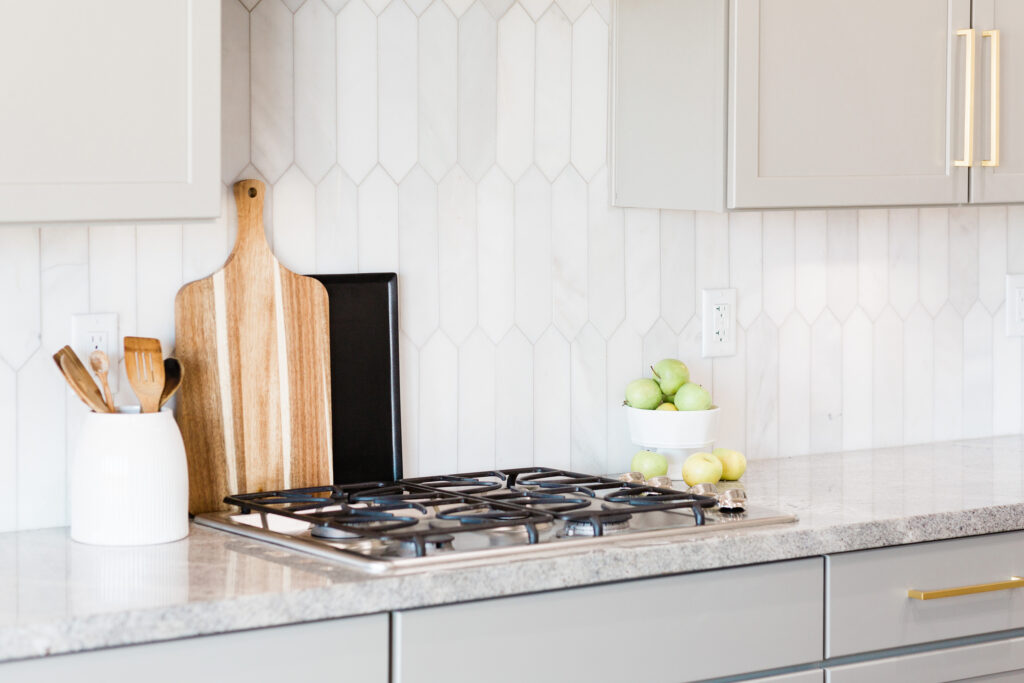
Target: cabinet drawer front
(1002, 660)
(867, 607)
(674, 628)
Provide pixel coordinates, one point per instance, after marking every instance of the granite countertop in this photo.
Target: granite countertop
(57, 596)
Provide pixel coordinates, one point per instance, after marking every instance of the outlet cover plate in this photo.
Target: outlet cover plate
(91, 331)
(718, 326)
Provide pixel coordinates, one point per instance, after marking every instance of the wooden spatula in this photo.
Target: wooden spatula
(144, 365)
(79, 379)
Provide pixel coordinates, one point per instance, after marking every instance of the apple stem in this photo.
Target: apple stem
(653, 372)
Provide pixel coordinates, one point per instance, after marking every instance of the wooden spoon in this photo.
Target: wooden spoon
(79, 379)
(143, 362)
(100, 365)
(172, 379)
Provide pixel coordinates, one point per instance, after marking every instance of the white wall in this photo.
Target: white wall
(462, 144)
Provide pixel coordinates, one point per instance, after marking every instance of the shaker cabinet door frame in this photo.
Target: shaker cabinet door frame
(834, 103)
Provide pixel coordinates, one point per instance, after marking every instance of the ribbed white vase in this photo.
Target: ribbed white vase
(129, 479)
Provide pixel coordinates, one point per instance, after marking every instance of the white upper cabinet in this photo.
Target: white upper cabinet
(111, 110)
(815, 103)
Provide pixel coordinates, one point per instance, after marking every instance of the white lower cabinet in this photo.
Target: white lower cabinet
(1001, 660)
(354, 649)
(676, 628)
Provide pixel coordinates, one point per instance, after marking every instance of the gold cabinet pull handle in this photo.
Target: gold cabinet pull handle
(1014, 582)
(994, 93)
(968, 159)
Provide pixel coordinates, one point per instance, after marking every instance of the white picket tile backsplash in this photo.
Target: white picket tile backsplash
(462, 143)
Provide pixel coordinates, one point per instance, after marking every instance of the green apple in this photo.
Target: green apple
(649, 464)
(692, 397)
(702, 468)
(671, 374)
(734, 463)
(644, 394)
(667, 406)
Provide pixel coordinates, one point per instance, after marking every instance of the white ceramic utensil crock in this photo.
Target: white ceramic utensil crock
(129, 479)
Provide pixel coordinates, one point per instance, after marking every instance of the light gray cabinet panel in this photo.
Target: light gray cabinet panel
(353, 649)
(678, 628)
(834, 103)
(867, 607)
(814, 676)
(1001, 660)
(1005, 182)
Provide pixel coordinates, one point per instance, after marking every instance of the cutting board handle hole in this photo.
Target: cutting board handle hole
(252, 191)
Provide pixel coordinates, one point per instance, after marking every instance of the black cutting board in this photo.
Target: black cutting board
(366, 415)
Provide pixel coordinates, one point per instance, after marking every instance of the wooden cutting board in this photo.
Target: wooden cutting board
(253, 338)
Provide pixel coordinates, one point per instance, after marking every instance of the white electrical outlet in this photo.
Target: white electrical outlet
(718, 329)
(92, 331)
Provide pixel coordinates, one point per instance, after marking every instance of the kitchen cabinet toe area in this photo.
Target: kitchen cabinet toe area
(679, 628)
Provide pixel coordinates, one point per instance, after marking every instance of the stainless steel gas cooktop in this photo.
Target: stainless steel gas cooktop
(477, 517)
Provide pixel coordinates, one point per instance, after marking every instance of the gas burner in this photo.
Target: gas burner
(330, 532)
(589, 527)
(433, 543)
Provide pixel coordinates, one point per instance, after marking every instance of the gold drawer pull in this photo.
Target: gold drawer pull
(994, 106)
(968, 159)
(1014, 582)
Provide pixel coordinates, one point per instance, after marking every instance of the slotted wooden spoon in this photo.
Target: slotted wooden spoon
(79, 379)
(144, 365)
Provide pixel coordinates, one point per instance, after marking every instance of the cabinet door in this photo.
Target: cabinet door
(1001, 660)
(111, 110)
(839, 103)
(1005, 182)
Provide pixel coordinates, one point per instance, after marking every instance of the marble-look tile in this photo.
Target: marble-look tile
(533, 254)
(794, 386)
(745, 264)
(158, 250)
(763, 389)
(1006, 381)
(378, 223)
(810, 230)
(535, 8)
(457, 254)
(948, 339)
(778, 254)
(933, 255)
(689, 351)
(712, 243)
(992, 256)
(659, 342)
(337, 223)
(625, 358)
(605, 264)
(64, 282)
(513, 426)
(477, 390)
(438, 414)
(568, 249)
(573, 8)
(604, 8)
(589, 92)
(730, 386)
(516, 53)
(978, 387)
(496, 255)
(9, 451)
(643, 268)
(459, 7)
(316, 129)
(397, 135)
(497, 8)
(963, 258)
(419, 6)
(589, 399)
(552, 386)
(42, 461)
(887, 380)
(873, 260)
(295, 222)
(356, 38)
(205, 245)
(903, 271)
(235, 107)
(438, 90)
(112, 287)
(273, 116)
(918, 377)
(842, 262)
(19, 272)
(409, 378)
(419, 299)
(826, 384)
(554, 92)
(678, 265)
(857, 382)
(1015, 239)
(478, 90)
